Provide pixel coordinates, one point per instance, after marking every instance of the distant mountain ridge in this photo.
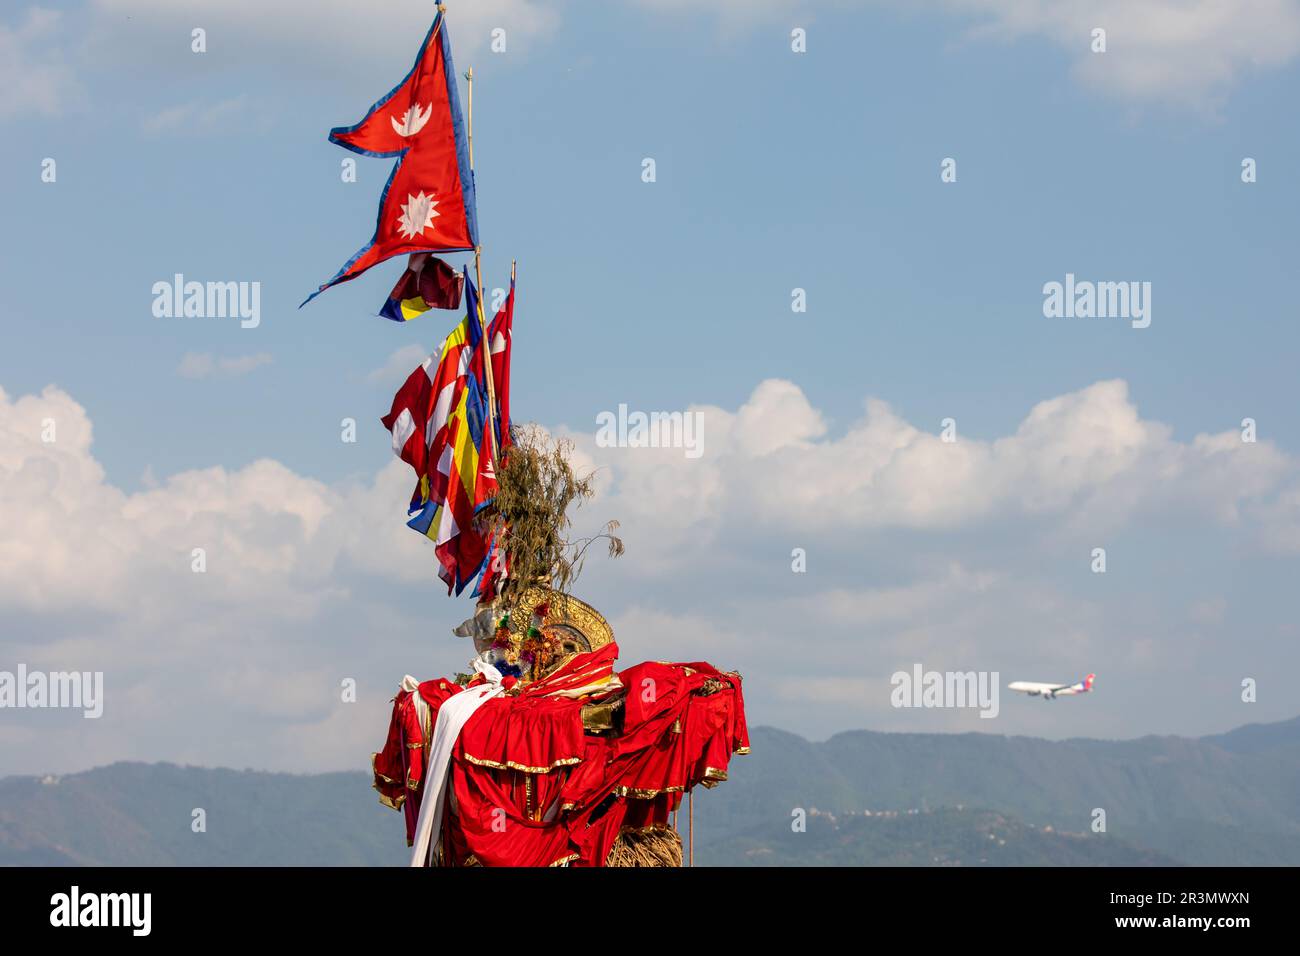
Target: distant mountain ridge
(866, 798)
(1230, 799)
(953, 836)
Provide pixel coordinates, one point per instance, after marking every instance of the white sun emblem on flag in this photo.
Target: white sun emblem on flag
(417, 214)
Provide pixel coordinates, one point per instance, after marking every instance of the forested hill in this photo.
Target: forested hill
(859, 798)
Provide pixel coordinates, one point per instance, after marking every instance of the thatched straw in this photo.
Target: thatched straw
(657, 846)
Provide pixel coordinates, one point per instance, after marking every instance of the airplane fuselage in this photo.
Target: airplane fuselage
(1052, 691)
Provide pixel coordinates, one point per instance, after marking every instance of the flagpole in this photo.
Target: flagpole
(690, 823)
(478, 272)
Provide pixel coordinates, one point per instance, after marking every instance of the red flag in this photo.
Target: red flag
(428, 283)
(428, 203)
(437, 283)
(501, 336)
(422, 407)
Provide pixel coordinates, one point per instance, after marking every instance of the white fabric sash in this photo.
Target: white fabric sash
(452, 716)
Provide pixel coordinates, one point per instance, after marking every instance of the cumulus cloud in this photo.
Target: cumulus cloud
(1085, 458)
(1189, 53)
(336, 28)
(967, 555)
(35, 74)
(94, 578)
(398, 365)
(306, 584)
(43, 52)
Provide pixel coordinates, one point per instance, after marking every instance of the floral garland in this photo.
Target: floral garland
(520, 655)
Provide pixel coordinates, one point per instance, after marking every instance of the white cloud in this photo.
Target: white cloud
(198, 117)
(1280, 519)
(1189, 53)
(44, 53)
(199, 365)
(94, 578)
(35, 76)
(398, 365)
(336, 28)
(1085, 459)
(307, 584)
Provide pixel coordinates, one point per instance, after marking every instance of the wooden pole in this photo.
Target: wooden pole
(690, 824)
(469, 117)
(487, 363)
(482, 316)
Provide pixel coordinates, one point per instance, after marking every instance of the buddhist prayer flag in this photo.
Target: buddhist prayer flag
(428, 283)
(501, 335)
(495, 568)
(459, 480)
(428, 203)
(420, 416)
(493, 572)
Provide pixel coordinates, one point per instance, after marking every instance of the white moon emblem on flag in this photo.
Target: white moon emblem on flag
(413, 120)
(417, 214)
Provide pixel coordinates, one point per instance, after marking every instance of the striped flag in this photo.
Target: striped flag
(501, 335)
(421, 411)
(495, 569)
(428, 283)
(460, 481)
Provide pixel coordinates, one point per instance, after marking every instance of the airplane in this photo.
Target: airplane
(1052, 691)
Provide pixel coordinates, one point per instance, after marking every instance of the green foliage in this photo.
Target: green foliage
(1215, 801)
(946, 837)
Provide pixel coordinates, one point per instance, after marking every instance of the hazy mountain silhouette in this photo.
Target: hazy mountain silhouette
(862, 797)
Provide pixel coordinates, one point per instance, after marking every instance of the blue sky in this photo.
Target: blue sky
(775, 170)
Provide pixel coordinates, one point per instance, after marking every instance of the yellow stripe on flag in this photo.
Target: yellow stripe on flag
(413, 308)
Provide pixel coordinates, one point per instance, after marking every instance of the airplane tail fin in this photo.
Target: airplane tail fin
(1087, 681)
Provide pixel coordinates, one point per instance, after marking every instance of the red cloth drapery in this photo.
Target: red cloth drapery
(530, 788)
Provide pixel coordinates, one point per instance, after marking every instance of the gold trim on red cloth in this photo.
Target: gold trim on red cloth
(390, 802)
(511, 765)
(712, 777)
(373, 758)
(643, 794)
(387, 800)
